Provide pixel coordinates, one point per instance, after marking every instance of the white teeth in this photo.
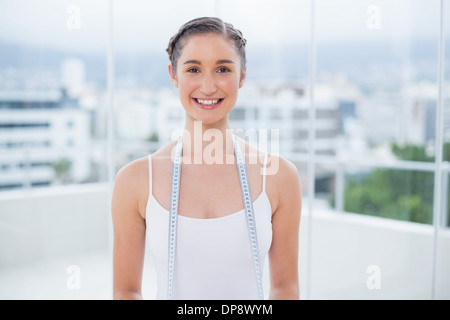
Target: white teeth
(208, 102)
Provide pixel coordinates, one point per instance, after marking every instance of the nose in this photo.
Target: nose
(208, 85)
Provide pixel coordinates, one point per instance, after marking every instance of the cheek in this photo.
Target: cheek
(231, 86)
(186, 86)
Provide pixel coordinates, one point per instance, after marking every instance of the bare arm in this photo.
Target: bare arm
(129, 234)
(283, 254)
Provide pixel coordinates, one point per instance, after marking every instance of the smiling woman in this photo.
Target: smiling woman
(221, 220)
(205, 82)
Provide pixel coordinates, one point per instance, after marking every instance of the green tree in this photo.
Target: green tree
(411, 153)
(62, 170)
(153, 137)
(446, 152)
(394, 193)
(418, 153)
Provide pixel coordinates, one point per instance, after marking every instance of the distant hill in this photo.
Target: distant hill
(358, 61)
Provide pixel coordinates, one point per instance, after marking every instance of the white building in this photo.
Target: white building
(170, 116)
(134, 114)
(73, 76)
(283, 108)
(38, 130)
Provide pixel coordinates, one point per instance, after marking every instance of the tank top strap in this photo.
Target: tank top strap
(264, 172)
(149, 174)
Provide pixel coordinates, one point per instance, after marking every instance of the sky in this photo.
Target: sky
(141, 25)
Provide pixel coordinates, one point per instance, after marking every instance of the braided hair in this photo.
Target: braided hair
(205, 25)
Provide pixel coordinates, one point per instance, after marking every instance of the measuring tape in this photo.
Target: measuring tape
(173, 215)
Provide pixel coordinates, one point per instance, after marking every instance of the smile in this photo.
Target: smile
(207, 103)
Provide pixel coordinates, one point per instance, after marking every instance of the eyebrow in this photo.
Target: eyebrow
(217, 62)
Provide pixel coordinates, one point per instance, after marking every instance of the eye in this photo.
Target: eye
(223, 70)
(193, 70)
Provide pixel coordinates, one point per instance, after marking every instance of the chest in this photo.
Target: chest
(206, 191)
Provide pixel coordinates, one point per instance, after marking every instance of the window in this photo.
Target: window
(52, 86)
(358, 90)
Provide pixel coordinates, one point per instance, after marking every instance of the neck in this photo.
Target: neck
(207, 143)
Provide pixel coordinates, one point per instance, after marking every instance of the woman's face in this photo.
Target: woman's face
(208, 77)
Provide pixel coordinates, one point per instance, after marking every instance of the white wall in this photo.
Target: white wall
(344, 246)
(52, 223)
(61, 223)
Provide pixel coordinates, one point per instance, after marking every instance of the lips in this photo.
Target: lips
(207, 103)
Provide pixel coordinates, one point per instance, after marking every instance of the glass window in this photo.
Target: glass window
(53, 190)
(441, 273)
(52, 84)
(368, 229)
(376, 73)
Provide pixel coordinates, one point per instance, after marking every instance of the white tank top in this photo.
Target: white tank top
(213, 257)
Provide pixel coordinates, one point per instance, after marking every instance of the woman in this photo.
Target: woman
(196, 227)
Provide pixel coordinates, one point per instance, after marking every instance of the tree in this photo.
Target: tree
(153, 137)
(394, 193)
(411, 152)
(62, 170)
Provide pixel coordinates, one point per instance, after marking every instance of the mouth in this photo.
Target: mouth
(207, 103)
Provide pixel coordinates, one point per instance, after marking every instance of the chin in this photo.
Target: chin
(208, 120)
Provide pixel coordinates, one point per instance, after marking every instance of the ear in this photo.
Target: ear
(242, 80)
(173, 76)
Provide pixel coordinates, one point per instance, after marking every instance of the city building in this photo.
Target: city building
(281, 109)
(43, 139)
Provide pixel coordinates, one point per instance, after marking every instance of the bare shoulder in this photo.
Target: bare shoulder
(277, 165)
(165, 152)
(131, 173)
(282, 170)
(135, 172)
(131, 187)
(283, 182)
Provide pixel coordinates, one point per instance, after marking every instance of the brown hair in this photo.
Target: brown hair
(202, 26)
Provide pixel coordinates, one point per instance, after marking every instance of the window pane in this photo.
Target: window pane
(442, 274)
(52, 88)
(446, 107)
(377, 68)
(52, 149)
